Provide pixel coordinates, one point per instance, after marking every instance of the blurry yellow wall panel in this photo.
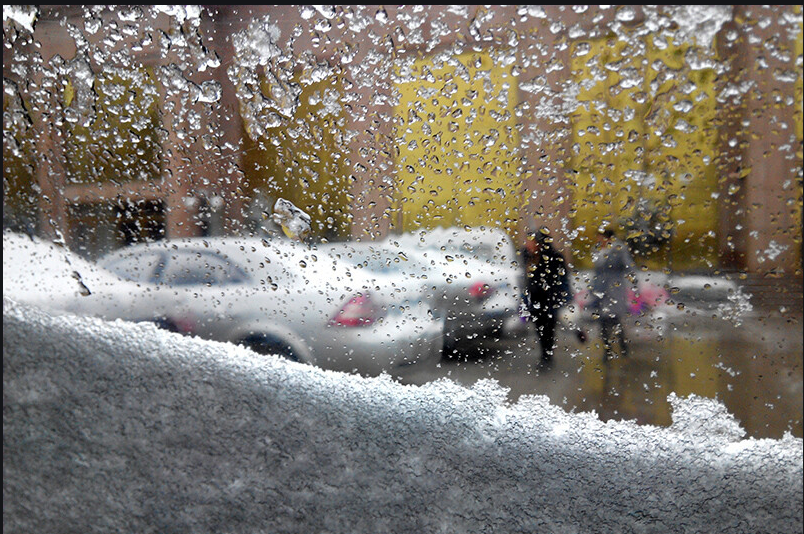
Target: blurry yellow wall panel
(682, 155)
(458, 145)
(608, 138)
(642, 136)
(303, 160)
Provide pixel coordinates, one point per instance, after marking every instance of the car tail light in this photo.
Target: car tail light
(360, 310)
(182, 325)
(481, 290)
(185, 325)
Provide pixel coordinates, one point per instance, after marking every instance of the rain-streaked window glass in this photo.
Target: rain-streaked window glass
(551, 217)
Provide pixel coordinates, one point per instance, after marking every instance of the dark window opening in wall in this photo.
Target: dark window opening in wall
(20, 210)
(209, 216)
(140, 221)
(97, 228)
(204, 217)
(20, 192)
(91, 228)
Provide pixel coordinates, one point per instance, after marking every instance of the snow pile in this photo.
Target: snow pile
(120, 427)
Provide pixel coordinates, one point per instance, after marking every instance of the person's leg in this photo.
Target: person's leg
(621, 335)
(548, 340)
(545, 333)
(606, 331)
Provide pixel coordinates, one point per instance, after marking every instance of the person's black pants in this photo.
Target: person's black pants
(609, 327)
(545, 322)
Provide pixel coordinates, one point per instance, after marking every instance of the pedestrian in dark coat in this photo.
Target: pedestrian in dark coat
(547, 288)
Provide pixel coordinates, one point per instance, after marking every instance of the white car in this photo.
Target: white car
(281, 296)
(475, 289)
(47, 275)
(404, 274)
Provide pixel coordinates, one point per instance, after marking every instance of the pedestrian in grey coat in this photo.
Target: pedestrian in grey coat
(613, 276)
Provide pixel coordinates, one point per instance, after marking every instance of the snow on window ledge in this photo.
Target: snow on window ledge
(114, 426)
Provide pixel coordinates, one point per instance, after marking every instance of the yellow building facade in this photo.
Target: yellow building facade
(508, 119)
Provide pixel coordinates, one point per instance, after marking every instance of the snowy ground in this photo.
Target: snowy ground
(119, 427)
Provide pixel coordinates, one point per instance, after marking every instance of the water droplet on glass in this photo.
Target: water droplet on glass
(381, 16)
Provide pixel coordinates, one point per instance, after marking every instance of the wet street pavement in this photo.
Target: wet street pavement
(754, 367)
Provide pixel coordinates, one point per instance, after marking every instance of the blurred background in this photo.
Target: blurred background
(680, 127)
